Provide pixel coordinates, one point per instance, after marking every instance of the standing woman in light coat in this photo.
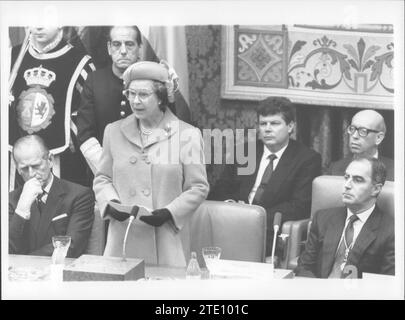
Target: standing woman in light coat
(151, 159)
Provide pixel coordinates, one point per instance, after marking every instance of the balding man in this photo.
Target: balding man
(366, 132)
(46, 206)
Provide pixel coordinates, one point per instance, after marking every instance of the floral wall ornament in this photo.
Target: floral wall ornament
(324, 66)
(323, 70)
(381, 62)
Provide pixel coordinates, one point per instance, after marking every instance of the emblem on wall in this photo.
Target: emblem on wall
(35, 108)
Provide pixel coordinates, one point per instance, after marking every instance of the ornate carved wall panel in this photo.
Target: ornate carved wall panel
(310, 64)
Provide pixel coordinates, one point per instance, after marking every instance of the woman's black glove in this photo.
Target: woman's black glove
(119, 215)
(158, 217)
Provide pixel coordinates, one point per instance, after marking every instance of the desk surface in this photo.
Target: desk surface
(37, 268)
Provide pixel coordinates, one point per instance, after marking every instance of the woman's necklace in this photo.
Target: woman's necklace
(145, 133)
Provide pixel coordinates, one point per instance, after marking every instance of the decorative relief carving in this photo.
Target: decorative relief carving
(261, 57)
(325, 66)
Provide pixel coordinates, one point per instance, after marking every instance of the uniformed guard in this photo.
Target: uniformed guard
(102, 100)
(49, 75)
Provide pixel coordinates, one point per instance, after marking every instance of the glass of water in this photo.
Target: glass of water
(211, 255)
(61, 246)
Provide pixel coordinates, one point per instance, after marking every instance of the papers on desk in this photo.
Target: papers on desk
(378, 277)
(241, 269)
(27, 273)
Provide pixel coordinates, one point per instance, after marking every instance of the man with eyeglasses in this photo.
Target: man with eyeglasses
(366, 132)
(102, 100)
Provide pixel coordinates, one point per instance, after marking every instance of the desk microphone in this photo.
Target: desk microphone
(124, 244)
(276, 227)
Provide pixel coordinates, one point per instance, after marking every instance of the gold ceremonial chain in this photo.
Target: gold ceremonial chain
(347, 249)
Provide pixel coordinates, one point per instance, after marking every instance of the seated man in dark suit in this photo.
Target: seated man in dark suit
(282, 180)
(45, 205)
(366, 132)
(356, 238)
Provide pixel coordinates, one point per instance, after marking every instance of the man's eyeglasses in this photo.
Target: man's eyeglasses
(142, 95)
(363, 132)
(129, 45)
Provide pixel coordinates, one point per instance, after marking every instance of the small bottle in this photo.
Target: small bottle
(193, 269)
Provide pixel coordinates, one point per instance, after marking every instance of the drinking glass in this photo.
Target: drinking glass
(61, 246)
(211, 255)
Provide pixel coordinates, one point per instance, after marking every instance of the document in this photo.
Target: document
(233, 269)
(125, 212)
(141, 240)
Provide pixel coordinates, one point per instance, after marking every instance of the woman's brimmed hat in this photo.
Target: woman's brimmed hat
(145, 70)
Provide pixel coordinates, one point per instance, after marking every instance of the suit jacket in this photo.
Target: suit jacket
(34, 236)
(157, 175)
(289, 190)
(373, 251)
(338, 168)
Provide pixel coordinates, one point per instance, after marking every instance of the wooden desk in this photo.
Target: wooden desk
(37, 268)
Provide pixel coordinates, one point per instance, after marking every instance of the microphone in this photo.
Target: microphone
(276, 227)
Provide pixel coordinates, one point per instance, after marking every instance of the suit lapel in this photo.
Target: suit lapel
(247, 183)
(51, 208)
(332, 237)
(366, 236)
(129, 128)
(281, 172)
(35, 219)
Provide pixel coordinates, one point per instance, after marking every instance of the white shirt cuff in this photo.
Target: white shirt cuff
(92, 151)
(23, 214)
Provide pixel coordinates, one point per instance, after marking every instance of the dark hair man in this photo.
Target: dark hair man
(282, 181)
(355, 237)
(102, 100)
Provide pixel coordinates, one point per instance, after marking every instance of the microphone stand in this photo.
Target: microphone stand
(275, 228)
(131, 218)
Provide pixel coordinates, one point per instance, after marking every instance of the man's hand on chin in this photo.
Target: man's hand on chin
(32, 188)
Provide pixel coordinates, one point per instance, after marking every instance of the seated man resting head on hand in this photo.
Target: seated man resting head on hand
(45, 205)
